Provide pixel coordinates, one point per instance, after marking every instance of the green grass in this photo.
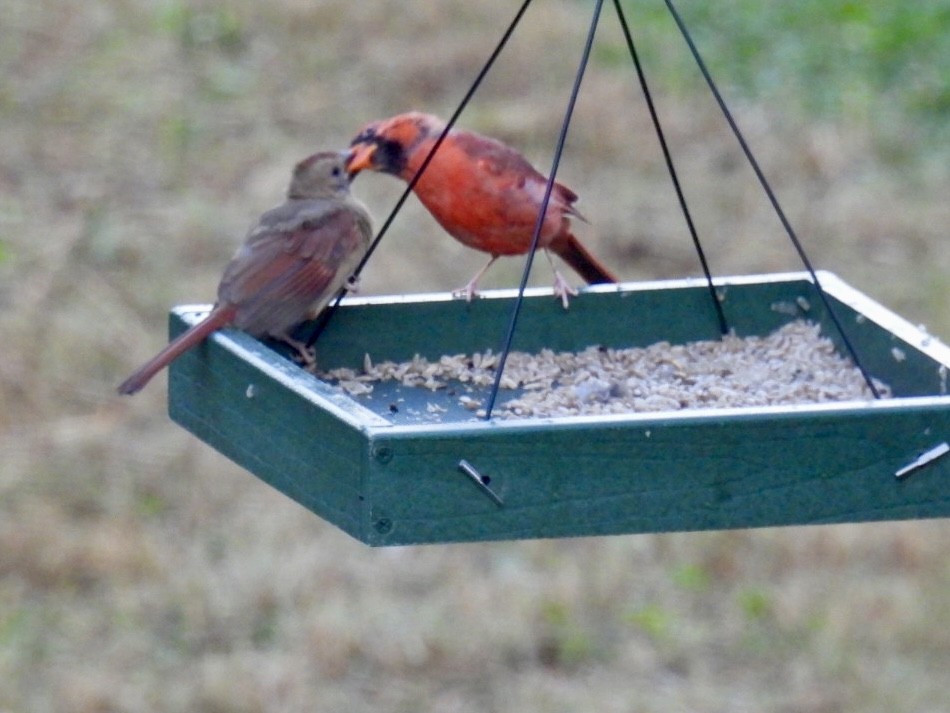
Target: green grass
(140, 571)
(839, 58)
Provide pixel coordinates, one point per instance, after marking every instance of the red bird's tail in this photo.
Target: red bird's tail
(218, 317)
(571, 251)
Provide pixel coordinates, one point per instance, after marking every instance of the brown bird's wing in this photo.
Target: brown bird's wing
(293, 262)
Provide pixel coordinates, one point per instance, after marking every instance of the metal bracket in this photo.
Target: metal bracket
(923, 459)
(481, 481)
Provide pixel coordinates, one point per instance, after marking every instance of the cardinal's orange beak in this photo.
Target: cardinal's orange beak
(360, 158)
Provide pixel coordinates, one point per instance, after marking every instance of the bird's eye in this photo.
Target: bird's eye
(365, 137)
(337, 171)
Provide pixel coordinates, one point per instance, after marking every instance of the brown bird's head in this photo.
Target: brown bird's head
(387, 144)
(322, 175)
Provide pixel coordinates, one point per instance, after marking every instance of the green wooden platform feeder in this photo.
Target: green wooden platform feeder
(394, 478)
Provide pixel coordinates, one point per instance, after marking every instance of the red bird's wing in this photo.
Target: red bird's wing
(294, 260)
(510, 170)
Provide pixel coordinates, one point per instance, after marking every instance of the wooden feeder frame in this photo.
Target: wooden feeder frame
(400, 478)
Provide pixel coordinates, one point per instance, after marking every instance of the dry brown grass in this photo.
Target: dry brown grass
(141, 571)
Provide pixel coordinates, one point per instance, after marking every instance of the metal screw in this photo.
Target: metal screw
(383, 526)
(383, 454)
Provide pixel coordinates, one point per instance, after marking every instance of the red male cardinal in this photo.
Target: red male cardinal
(292, 263)
(484, 193)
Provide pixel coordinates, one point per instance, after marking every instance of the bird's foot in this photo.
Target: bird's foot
(563, 289)
(467, 292)
(352, 284)
(305, 356)
(471, 289)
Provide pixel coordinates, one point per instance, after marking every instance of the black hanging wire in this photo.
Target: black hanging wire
(720, 315)
(328, 313)
(558, 150)
(772, 198)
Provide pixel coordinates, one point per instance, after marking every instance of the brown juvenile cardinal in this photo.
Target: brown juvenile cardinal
(292, 263)
(484, 193)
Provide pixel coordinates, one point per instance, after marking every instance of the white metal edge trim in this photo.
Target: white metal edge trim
(652, 419)
(644, 286)
(317, 392)
(879, 314)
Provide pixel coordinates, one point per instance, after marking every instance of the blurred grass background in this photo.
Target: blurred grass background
(141, 571)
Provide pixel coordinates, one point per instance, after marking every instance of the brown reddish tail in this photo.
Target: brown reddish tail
(219, 317)
(571, 251)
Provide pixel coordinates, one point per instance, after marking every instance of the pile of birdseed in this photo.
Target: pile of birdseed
(793, 365)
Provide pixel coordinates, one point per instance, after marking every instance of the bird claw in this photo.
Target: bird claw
(466, 293)
(306, 356)
(352, 284)
(563, 289)
(471, 289)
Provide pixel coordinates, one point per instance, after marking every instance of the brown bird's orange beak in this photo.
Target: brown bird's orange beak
(360, 158)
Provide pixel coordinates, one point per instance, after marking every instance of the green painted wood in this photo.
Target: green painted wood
(655, 476)
(389, 479)
(398, 329)
(266, 422)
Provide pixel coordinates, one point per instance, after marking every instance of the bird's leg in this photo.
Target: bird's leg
(471, 289)
(562, 288)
